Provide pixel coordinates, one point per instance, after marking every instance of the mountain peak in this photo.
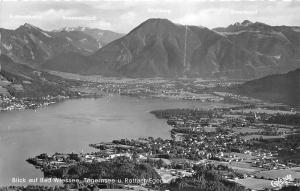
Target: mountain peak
(30, 26)
(155, 25)
(157, 20)
(246, 22)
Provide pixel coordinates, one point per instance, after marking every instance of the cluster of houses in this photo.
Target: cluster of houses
(161, 89)
(8, 103)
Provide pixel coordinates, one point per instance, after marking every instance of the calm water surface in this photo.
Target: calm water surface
(71, 125)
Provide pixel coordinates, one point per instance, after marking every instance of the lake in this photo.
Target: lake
(71, 125)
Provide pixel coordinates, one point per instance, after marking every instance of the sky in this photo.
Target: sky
(123, 15)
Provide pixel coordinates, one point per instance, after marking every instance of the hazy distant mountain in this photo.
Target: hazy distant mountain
(103, 37)
(234, 27)
(84, 43)
(159, 47)
(281, 44)
(32, 45)
(283, 88)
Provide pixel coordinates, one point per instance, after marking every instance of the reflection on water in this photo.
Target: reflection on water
(70, 126)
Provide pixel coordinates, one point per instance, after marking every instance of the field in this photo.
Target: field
(274, 174)
(246, 129)
(254, 184)
(210, 129)
(101, 79)
(248, 137)
(166, 175)
(242, 167)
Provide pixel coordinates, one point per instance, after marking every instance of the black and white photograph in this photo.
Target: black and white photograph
(150, 95)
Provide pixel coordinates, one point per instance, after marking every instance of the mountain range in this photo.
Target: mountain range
(158, 47)
(31, 45)
(103, 37)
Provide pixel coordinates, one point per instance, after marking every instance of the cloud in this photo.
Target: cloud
(157, 10)
(53, 14)
(129, 16)
(274, 13)
(124, 15)
(209, 17)
(116, 5)
(101, 24)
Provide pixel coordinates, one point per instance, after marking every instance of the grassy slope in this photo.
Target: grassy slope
(34, 83)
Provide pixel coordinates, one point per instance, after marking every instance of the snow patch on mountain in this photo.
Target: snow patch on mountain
(296, 29)
(83, 40)
(7, 47)
(47, 35)
(69, 39)
(32, 55)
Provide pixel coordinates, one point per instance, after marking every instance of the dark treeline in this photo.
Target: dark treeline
(285, 119)
(33, 188)
(205, 179)
(117, 168)
(290, 147)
